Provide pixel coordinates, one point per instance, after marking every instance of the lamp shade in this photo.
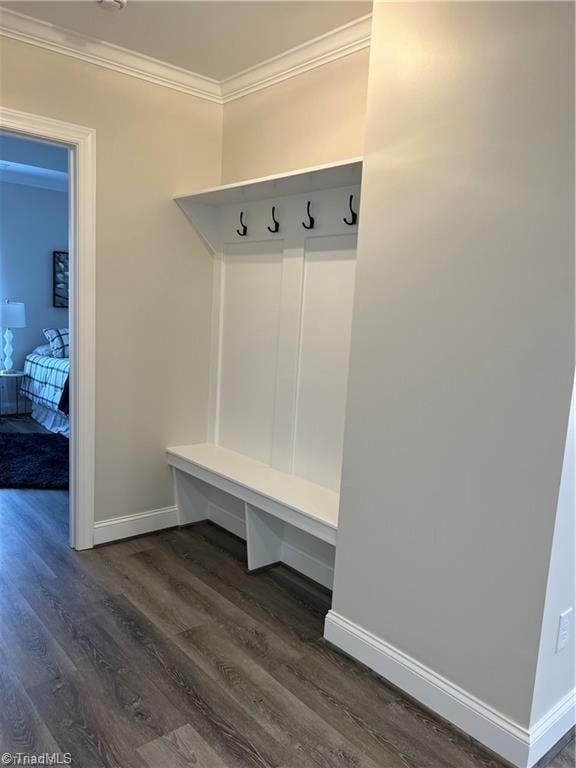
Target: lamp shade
(12, 314)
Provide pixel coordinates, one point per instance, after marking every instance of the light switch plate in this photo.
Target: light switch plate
(564, 629)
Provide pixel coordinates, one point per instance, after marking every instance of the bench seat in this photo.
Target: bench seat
(271, 498)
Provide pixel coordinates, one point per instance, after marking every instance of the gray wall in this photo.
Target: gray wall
(463, 339)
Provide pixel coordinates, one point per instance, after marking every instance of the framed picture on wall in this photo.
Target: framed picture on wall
(60, 291)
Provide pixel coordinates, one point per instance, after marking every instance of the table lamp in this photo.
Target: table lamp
(12, 315)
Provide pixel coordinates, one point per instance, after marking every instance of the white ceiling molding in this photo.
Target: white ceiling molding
(33, 176)
(333, 45)
(53, 38)
(340, 42)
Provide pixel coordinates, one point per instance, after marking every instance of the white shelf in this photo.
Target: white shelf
(330, 176)
(239, 473)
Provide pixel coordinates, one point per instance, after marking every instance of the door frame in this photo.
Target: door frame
(81, 142)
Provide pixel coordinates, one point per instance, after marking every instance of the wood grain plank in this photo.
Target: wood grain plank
(69, 714)
(218, 719)
(22, 728)
(34, 654)
(105, 675)
(137, 711)
(215, 609)
(162, 606)
(279, 612)
(182, 748)
(286, 717)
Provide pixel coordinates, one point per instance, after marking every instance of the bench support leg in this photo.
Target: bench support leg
(191, 502)
(264, 536)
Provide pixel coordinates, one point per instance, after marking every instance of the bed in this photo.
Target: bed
(44, 383)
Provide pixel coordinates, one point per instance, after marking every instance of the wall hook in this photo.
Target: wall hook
(276, 226)
(353, 214)
(310, 223)
(244, 230)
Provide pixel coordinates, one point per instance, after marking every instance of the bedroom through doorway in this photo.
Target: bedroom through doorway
(35, 348)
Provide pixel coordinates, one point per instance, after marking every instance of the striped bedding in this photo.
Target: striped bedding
(45, 379)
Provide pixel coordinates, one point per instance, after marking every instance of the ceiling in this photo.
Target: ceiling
(214, 39)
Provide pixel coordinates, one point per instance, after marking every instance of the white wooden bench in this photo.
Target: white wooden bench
(272, 499)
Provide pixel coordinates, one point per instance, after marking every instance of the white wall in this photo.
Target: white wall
(317, 117)
(34, 223)
(462, 355)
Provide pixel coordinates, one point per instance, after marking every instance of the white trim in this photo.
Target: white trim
(552, 727)
(519, 745)
(331, 46)
(315, 178)
(296, 558)
(298, 502)
(32, 176)
(82, 246)
(310, 566)
(227, 520)
(117, 528)
(26, 29)
(340, 42)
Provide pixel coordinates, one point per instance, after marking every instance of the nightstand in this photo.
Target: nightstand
(5, 395)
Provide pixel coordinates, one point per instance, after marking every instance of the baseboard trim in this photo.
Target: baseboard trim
(116, 528)
(227, 520)
(310, 566)
(301, 561)
(520, 746)
(552, 727)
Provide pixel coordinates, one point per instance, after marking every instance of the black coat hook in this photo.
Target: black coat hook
(353, 214)
(310, 223)
(276, 226)
(244, 230)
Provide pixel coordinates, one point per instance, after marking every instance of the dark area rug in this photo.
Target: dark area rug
(33, 461)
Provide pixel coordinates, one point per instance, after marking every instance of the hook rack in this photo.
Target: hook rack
(244, 230)
(353, 214)
(310, 223)
(276, 225)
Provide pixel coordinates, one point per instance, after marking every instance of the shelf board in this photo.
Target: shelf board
(331, 176)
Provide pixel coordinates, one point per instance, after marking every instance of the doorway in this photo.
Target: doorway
(78, 143)
(34, 304)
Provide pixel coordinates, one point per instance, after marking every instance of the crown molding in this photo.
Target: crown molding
(331, 46)
(40, 33)
(33, 176)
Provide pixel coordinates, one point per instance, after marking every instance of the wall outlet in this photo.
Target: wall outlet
(564, 630)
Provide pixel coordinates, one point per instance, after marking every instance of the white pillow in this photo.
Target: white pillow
(59, 340)
(44, 349)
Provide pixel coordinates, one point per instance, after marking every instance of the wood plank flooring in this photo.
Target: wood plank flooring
(163, 652)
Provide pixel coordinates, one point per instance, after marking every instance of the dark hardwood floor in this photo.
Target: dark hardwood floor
(163, 652)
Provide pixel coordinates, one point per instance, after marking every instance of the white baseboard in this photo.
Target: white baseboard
(227, 520)
(301, 561)
(310, 566)
(520, 746)
(116, 528)
(548, 731)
